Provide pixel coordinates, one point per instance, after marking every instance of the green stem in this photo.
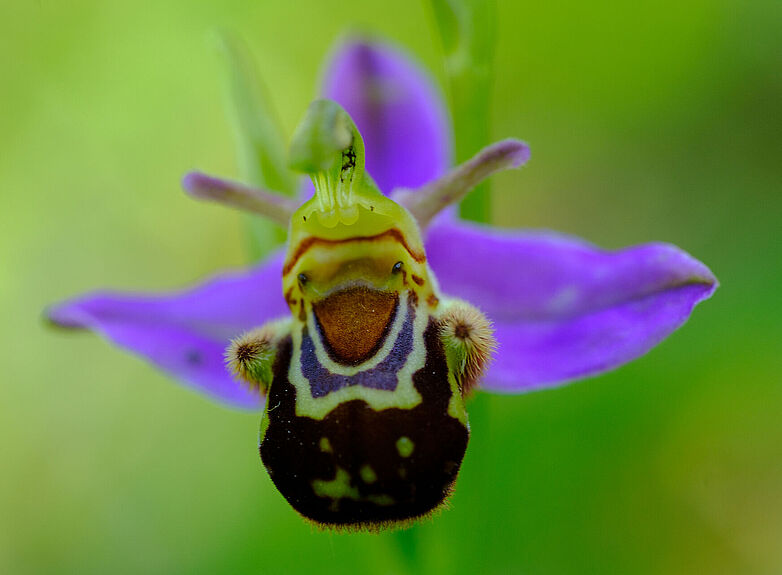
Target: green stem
(467, 29)
(470, 95)
(408, 541)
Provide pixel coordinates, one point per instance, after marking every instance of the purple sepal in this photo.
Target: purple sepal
(185, 333)
(396, 108)
(564, 309)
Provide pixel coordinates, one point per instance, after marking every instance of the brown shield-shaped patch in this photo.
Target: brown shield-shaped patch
(354, 322)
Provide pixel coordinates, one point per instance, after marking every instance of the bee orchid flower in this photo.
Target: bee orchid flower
(378, 240)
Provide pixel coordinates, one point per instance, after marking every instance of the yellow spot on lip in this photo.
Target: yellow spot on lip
(340, 488)
(381, 499)
(405, 446)
(368, 474)
(337, 488)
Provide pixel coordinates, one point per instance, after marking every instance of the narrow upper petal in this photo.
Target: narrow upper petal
(396, 108)
(564, 309)
(428, 201)
(186, 333)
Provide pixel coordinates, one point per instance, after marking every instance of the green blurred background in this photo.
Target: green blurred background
(648, 121)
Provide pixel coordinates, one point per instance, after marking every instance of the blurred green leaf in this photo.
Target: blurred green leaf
(467, 30)
(260, 145)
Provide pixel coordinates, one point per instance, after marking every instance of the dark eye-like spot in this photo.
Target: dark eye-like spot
(303, 279)
(397, 268)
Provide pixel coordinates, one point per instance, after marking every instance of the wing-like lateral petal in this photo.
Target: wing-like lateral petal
(564, 309)
(428, 201)
(396, 108)
(186, 333)
(276, 207)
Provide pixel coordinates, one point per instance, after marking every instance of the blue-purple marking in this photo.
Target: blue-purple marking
(382, 376)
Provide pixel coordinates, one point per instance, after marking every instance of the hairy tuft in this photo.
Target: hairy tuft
(249, 357)
(468, 336)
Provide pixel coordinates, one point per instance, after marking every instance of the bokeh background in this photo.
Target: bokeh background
(648, 121)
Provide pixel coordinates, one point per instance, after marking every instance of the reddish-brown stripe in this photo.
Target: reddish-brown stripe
(309, 242)
(416, 279)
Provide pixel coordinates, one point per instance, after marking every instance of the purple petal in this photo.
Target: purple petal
(186, 333)
(397, 110)
(564, 309)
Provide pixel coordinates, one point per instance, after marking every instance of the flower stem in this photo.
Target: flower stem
(467, 30)
(408, 542)
(470, 104)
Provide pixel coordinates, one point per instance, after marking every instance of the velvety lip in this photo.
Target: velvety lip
(354, 322)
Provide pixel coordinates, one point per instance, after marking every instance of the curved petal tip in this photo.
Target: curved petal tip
(185, 333)
(563, 309)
